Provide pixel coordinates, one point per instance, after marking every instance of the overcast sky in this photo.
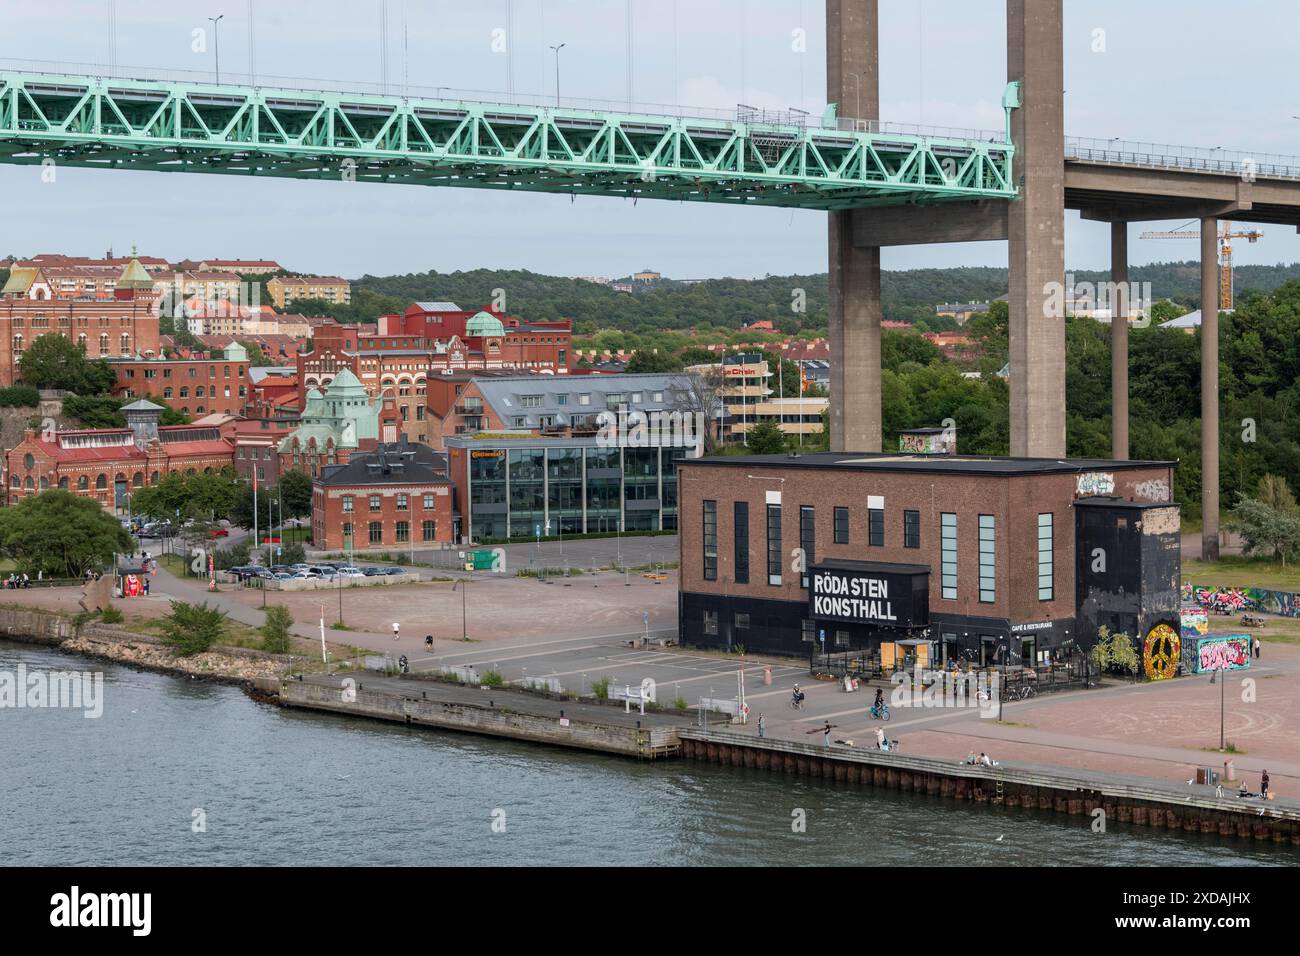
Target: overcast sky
(1191, 72)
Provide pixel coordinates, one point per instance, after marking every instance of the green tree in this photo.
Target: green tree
(765, 438)
(294, 491)
(1266, 529)
(646, 360)
(275, 632)
(60, 535)
(1115, 652)
(192, 628)
(52, 361)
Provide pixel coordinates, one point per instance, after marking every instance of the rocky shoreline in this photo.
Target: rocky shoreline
(257, 672)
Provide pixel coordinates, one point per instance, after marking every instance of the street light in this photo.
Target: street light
(464, 633)
(557, 50)
(857, 91)
(216, 42)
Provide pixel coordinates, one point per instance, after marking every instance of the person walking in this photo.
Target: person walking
(826, 733)
(1263, 784)
(146, 587)
(762, 726)
(428, 641)
(396, 630)
(1258, 644)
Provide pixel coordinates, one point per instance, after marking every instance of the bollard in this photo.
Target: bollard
(767, 676)
(1229, 774)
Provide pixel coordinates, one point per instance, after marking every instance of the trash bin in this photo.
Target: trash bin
(1229, 773)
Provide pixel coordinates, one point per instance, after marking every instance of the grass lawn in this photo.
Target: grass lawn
(1237, 571)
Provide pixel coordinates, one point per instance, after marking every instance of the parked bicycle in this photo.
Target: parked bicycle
(1021, 692)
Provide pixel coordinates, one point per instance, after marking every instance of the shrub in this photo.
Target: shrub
(680, 702)
(233, 556)
(193, 628)
(600, 688)
(275, 632)
(493, 679)
(19, 396)
(111, 615)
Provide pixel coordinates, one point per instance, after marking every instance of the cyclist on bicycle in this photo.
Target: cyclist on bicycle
(880, 700)
(798, 695)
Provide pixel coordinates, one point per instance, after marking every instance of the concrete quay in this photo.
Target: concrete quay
(1129, 800)
(494, 711)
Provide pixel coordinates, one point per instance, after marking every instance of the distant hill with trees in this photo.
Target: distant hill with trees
(792, 303)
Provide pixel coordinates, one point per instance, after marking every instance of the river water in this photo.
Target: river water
(169, 757)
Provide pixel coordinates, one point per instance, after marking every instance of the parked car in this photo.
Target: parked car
(391, 571)
(325, 570)
(349, 572)
(243, 571)
(371, 571)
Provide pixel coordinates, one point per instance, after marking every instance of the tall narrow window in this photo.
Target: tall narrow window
(742, 542)
(988, 560)
(710, 541)
(807, 541)
(841, 525)
(948, 555)
(876, 527)
(774, 544)
(911, 529)
(1045, 557)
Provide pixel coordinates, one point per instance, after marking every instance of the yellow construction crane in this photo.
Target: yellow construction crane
(1226, 235)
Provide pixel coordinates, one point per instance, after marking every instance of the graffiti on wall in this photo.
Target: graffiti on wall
(1233, 600)
(1194, 623)
(1229, 652)
(1153, 489)
(1161, 652)
(1095, 483)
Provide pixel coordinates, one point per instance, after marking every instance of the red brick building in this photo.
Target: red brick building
(197, 386)
(122, 323)
(108, 464)
(976, 556)
(428, 339)
(395, 497)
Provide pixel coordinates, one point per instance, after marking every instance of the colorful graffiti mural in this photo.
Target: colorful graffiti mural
(1284, 603)
(1193, 622)
(1161, 652)
(1094, 483)
(1223, 652)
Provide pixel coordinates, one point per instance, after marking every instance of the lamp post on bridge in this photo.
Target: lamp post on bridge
(557, 50)
(216, 43)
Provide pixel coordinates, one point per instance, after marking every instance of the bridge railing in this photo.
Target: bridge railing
(1193, 158)
(741, 113)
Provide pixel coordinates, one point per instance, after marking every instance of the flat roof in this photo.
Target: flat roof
(930, 464)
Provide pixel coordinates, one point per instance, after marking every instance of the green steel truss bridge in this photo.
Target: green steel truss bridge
(754, 158)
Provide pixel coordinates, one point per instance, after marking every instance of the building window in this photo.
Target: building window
(876, 527)
(376, 532)
(807, 541)
(742, 623)
(347, 504)
(911, 529)
(374, 503)
(710, 541)
(101, 483)
(429, 530)
(774, 544)
(711, 623)
(403, 531)
(948, 554)
(428, 502)
(83, 483)
(741, 520)
(403, 502)
(1046, 555)
(841, 525)
(807, 631)
(988, 560)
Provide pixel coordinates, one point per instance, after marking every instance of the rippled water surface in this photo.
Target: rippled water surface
(291, 787)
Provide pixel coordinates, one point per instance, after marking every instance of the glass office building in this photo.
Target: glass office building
(510, 487)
